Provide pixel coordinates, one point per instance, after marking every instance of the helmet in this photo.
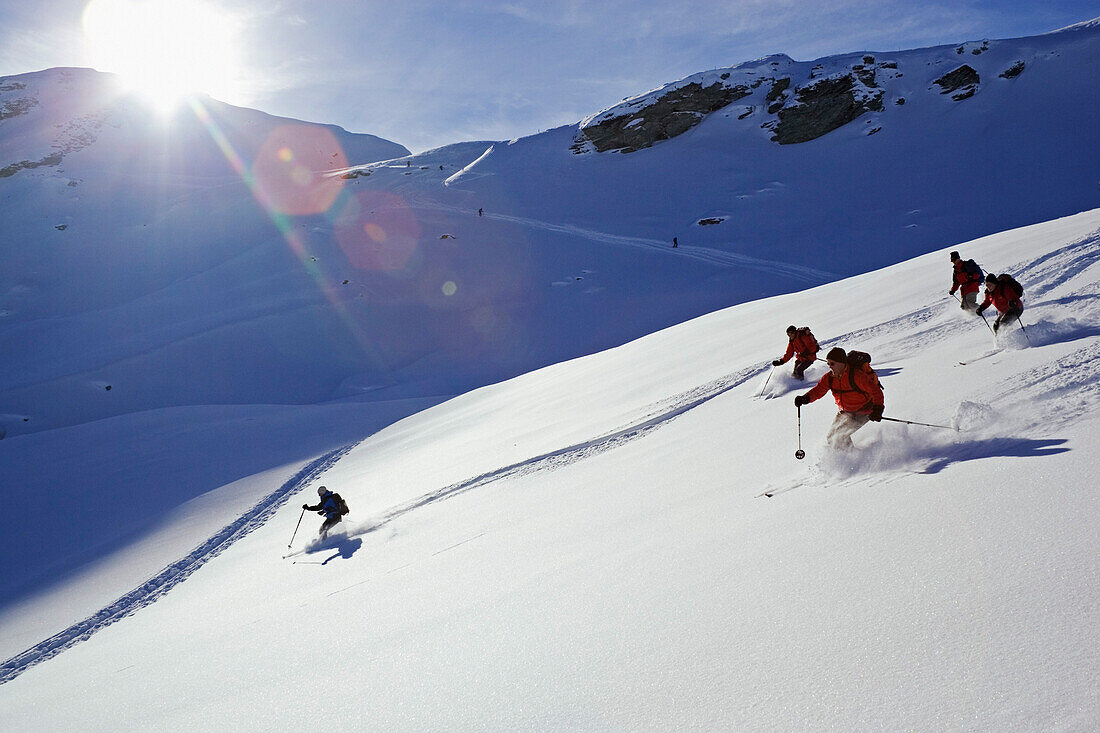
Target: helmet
(791, 329)
(991, 278)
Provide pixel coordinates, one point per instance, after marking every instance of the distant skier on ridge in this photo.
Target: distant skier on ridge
(1004, 293)
(331, 505)
(967, 279)
(803, 347)
(856, 390)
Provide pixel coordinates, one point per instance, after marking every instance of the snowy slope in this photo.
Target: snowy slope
(584, 547)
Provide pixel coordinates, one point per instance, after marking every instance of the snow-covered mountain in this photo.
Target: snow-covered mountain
(206, 316)
(151, 243)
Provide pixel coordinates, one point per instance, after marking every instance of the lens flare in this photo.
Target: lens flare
(290, 170)
(376, 231)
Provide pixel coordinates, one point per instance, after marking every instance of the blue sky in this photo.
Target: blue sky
(426, 73)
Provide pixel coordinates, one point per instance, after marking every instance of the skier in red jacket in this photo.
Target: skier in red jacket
(857, 393)
(967, 278)
(1001, 293)
(803, 346)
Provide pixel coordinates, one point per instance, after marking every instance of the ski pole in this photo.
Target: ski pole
(960, 302)
(927, 425)
(1021, 322)
(986, 322)
(766, 381)
(799, 454)
(299, 524)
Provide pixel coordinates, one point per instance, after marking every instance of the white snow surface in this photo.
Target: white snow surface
(582, 546)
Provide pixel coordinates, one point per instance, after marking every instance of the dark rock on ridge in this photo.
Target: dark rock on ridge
(963, 80)
(672, 114)
(822, 107)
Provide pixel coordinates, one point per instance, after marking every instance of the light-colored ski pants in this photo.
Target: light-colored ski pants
(845, 423)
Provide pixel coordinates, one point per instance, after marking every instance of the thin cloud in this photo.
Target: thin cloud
(33, 50)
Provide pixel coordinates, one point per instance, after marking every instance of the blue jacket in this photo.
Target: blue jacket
(327, 505)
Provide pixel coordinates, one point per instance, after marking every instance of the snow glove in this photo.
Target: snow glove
(777, 362)
(876, 413)
(800, 400)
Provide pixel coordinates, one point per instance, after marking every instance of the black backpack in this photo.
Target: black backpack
(857, 359)
(972, 268)
(341, 505)
(1010, 281)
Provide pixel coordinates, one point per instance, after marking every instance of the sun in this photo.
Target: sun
(165, 49)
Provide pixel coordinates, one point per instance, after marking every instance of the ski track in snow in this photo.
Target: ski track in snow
(667, 411)
(151, 590)
(709, 255)
(154, 588)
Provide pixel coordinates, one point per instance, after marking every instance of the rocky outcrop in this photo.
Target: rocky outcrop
(866, 74)
(670, 115)
(976, 48)
(16, 107)
(963, 81)
(776, 97)
(777, 89)
(70, 137)
(10, 170)
(821, 108)
(1013, 71)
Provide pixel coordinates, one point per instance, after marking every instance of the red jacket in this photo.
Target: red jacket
(969, 282)
(802, 343)
(859, 396)
(1003, 297)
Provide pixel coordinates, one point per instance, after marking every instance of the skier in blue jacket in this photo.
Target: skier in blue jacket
(329, 504)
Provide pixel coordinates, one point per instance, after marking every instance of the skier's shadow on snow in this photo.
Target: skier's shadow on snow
(996, 448)
(345, 549)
